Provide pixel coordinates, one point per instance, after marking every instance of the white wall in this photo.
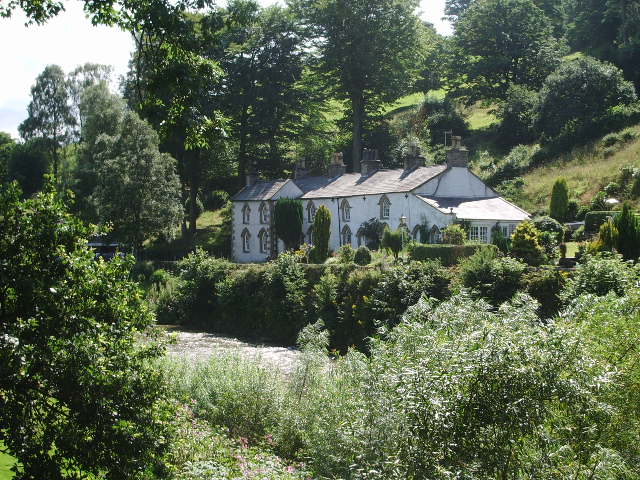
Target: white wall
(254, 227)
(456, 182)
(363, 210)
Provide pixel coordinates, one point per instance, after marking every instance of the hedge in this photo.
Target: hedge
(593, 220)
(449, 255)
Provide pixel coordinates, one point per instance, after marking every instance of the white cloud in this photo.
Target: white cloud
(70, 40)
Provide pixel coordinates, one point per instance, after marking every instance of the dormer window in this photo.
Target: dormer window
(311, 212)
(346, 211)
(246, 214)
(346, 235)
(246, 241)
(264, 213)
(263, 236)
(385, 207)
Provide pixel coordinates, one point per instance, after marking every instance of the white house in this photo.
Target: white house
(413, 196)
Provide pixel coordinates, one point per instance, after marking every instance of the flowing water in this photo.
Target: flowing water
(199, 346)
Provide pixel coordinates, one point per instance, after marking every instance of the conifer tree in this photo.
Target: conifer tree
(559, 200)
(628, 226)
(322, 233)
(288, 217)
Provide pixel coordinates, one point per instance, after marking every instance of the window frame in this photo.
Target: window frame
(263, 213)
(246, 241)
(345, 207)
(246, 214)
(385, 208)
(311, 212)
(346, 231)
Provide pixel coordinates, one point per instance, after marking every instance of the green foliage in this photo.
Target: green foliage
(608, 235)
(526, 246)
(593, 221)
(454, 234)
(78, 386)
(493, 277)
(599, 275)
(389, 53)
(517, 115)
(579, 93)
(545, 285)
(346, 254)
(362, 256)
(27, 163)
(490, 55)
(372, 230)
(287, 218)
(438, 115)
(448, 255)
(49, 114)
(138, 189)
(322, 233)
(216, 199)
(550, 225)
(393, 241)
(499, 240)
(627, 224)
(518, 161)
(559, 202)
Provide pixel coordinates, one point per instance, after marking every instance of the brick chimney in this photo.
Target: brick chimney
(336, 168)
(415, 158)
(301, 170)
(252, 175)
(370, 162)
(457, 155)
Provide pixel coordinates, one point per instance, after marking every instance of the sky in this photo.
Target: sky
(70, 40)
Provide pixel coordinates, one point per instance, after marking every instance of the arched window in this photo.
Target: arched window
(385, 207)
(311, 212)
(263, 236)
(246, 214)
(346, 235)
(310, 235)
(264, 213)
(435, 236)
(360, 237)
(246, 241)
(346, 210)
(415, 234)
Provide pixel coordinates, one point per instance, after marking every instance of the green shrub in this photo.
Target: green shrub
(579, 235)
(550, 225)
(608, 235)
(517, 115)
(321, 234)
(545, 286)
(160, 277)
(372, 230)
(518, 161)
(599, 202)
(346, 254)
(525, 244)
(448, 255)
(454, 234)
(599, 275)
(401, 286)
(594, 219)
(287, 219)
(494, 277)
(393, 241)
(559, 200)
(635, 187)
(627, 225)
(362, 256)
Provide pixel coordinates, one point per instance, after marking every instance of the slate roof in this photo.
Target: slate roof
(379, 182)
(489, 208)
(261, 190)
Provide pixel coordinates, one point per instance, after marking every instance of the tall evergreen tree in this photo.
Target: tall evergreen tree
(559, 203)
(628, 226)
(321, 233)
(287, 218)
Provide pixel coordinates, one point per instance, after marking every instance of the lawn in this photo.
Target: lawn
(479, 116)
(572, 249)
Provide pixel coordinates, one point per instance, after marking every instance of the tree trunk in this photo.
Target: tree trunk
(193, 192)
(357, 105)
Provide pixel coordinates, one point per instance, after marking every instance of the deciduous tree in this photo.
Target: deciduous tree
(49, 113)
(80, 394)
(369, 52)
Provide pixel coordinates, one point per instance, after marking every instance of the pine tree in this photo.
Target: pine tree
(559, 200)
(288, 218)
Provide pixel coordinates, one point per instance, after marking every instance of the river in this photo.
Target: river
(201, 346)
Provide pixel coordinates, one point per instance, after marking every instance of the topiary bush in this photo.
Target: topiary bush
(393, 241)
(321, 234)
(346, 254)
(545, 285)
(559, 204)
(362, 256)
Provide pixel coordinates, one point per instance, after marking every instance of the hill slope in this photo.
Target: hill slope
(587, 170)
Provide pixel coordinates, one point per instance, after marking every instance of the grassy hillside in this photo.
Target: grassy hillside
(587, 170)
